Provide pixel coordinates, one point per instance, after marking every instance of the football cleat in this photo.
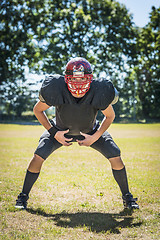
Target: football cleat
(21, 201)
(129, 202)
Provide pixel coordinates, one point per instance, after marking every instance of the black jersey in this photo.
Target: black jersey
(72, 114)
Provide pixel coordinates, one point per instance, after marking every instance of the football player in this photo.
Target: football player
(77, 98)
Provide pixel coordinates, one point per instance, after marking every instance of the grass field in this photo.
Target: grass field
(76, 196)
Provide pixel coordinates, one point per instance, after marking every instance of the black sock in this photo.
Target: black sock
(30, 179)
(121, 178)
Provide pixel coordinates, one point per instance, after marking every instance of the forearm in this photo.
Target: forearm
(90, 139)
(42, 118)
(109, 116)
(103, 127)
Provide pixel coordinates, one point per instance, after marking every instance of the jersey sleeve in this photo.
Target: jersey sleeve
(116, 97)
(41, 98)
(51, 90)
(105, 94)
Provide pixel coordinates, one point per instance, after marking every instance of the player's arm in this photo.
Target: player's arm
(39, 111)
(109, 116)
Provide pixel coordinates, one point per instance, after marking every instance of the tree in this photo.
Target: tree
(56, 30)
(20, 21)
(101, 31)
(148, 68)
(44, 34)
(19, 25)
(17, 99)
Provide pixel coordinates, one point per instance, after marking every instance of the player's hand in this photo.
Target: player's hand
(59, 136)
(89, 140)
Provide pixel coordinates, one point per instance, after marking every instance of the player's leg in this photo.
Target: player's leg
(47, 145)
(111, 151)
(119, 173)
(31, 176)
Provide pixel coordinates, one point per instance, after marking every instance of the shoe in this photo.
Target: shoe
(129, 202)
(21, 201)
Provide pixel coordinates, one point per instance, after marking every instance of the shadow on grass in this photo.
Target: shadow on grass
(93, 221)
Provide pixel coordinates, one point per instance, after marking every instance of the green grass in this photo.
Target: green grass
(76, 196)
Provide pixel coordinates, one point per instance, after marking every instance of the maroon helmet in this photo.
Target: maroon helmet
(78, 68)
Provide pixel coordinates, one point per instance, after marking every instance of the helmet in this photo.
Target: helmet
(78, 68)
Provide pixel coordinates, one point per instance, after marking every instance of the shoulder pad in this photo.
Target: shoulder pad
(104, 93)
(52, 89)
(116, 97)
(41, 98)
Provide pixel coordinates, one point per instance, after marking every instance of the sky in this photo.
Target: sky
(140, 9)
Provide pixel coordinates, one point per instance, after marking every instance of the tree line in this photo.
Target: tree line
(43, 35)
